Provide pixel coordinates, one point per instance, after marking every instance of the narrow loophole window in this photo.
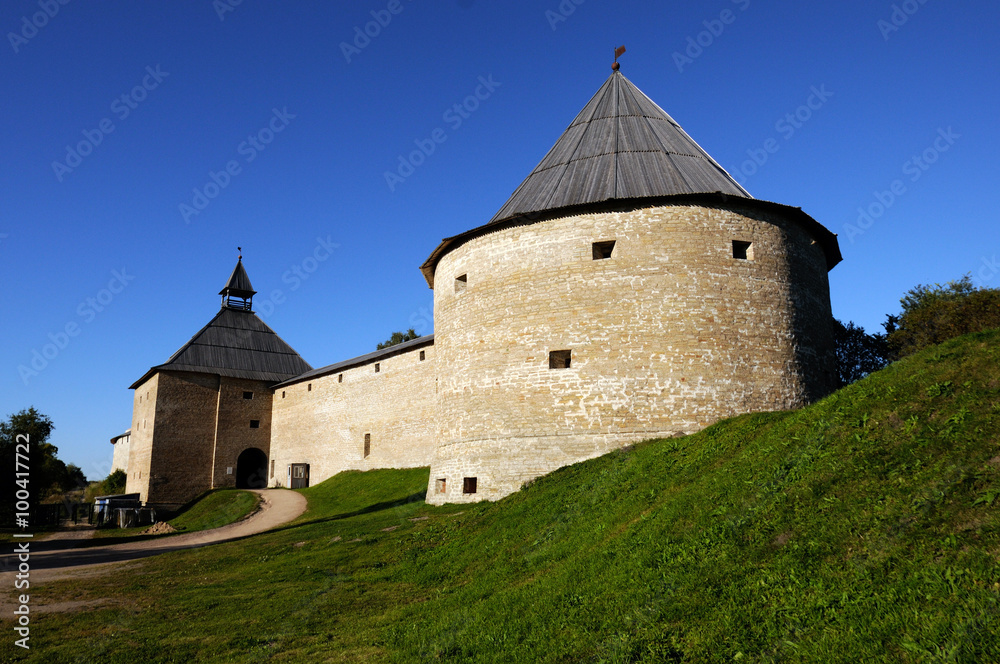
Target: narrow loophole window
(282, 394)
(422, 356)
(340, 378)
(602, 250)
(254, 424)
(461, 282)
(469, 485)
(742, 250)
(560, 359)
(377, 367)
(368, 444)
(309, 387)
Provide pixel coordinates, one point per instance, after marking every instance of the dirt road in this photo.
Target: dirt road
(58, 556)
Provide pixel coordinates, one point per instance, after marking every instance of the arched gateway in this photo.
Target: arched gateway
(251, 469)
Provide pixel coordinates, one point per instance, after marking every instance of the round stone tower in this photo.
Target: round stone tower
(629, 289)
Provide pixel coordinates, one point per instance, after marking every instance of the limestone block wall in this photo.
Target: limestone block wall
(234, 432)
(323, 421)
(183, 438)
(669, 334)
(119, 457)
(141, 440)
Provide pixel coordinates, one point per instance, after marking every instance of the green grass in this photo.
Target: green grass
(861, 529)
(213, 510)
(216, 509)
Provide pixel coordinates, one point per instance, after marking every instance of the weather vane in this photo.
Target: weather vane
(618, 52)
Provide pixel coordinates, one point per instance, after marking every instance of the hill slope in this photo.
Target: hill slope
(863, 528)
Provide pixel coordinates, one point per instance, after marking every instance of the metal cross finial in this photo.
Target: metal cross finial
(240, 249)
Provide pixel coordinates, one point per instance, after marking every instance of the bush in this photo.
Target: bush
(111, 485)
(932, 314)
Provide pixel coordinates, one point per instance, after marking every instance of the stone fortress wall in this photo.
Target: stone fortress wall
(324, 420)
(122, 447)
(629, 289)
(667, 335)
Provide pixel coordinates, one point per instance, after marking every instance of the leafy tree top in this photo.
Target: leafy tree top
(398, 338)
(932, 314)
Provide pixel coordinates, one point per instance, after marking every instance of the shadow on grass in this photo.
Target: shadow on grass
(96, 553)
(418, 497)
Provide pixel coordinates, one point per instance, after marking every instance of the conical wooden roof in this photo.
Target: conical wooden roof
(239, 282)
(621, 145)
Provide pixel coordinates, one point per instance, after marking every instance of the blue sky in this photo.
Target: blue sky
(275, 124)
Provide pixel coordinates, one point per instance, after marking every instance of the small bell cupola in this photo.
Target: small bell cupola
(238, 293)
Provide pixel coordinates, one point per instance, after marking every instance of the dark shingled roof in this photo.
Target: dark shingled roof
(624, 150)
(236, 344)
(239, 282)
(412, 344)
(621, 145)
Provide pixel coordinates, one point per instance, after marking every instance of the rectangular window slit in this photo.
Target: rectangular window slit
(340, 378)
(441, 484)
(377, 367)
(254, 424)
(422, 356)
(282, 394)
(560, 359)
(602, 250)
(461, 282)
(248, 395)
(469, 485)
(368, 444)
(743, 250)
(309, 387)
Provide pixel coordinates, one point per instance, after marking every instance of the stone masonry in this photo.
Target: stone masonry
(667, 335)
(323, 420)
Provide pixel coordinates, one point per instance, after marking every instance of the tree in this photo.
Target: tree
(858, 353)
(398, 338)
(46, 473)
(74, 478)
(932, 314)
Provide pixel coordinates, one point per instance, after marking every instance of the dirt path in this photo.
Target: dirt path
(58, 557)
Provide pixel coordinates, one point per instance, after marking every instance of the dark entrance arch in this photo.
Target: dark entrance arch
(251, 469)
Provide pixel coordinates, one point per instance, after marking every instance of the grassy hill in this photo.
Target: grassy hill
(861, 529)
